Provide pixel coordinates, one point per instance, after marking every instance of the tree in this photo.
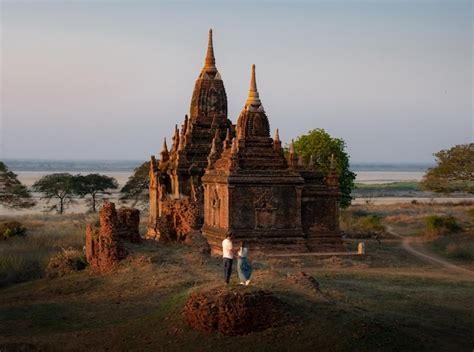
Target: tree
(61, 186)
(454, 171)
(13, 194)
(94, 185)
(319, 144)
(136, 188)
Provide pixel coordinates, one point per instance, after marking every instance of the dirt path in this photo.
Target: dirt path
(415, 246)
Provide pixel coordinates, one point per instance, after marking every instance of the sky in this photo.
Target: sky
(109, 79)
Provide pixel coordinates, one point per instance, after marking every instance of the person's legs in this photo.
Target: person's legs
(239, 271)
(227, 269)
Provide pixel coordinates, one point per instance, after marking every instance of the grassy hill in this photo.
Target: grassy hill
(389, 301)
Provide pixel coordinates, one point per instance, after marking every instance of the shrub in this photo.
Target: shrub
(10, 229)
(470, 212)
(371, 223)
(459, 251)
(65, 262)
(15, 269)
(361, 224)
(441, 225)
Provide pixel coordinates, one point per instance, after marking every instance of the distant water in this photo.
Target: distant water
(129, 165)
(73, 166)
(29, 171)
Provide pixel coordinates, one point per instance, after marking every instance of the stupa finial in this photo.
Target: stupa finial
(253, 97)
(210, 61)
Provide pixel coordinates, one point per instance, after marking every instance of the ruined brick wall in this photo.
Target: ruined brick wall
(182, 216)
(103, 247)
(128, 224)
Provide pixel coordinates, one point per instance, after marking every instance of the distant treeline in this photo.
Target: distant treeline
(130, 165)
(73, 166)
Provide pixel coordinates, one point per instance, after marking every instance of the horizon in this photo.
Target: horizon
(108, 80)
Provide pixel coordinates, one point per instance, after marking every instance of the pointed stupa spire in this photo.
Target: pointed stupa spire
(164, 155)
(332, 164)
(253, 98)
(292, 147)
(311, 162)
(300, 162)
(210, 61)
(277, 136)
(165, 146)
(227, 141)
(234, 146)
(213, 147)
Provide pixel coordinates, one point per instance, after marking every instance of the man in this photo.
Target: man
(228, 256)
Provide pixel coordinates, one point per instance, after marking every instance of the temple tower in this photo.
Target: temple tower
(249, 190)
(207, 116)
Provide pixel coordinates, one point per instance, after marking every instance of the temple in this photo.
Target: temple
(219, 178)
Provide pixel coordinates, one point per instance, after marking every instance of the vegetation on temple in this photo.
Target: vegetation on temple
(13, 194)
(320, 145)
(454, 171)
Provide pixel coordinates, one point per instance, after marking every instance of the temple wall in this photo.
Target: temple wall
(216, 207)
(320, 214)
(263, 208)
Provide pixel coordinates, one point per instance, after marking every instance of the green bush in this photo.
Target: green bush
(441, 225)
(371, 223)
(65, 262)
(361, 224)
(11, 229)
(470, 212)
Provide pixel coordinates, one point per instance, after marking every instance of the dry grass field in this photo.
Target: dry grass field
(390, 300)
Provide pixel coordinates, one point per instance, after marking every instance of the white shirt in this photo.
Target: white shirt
(243, 252)
(227, 249)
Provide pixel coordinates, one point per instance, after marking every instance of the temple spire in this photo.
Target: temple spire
(210, 61)
(164, 155)
(277, 136)
(253, 98)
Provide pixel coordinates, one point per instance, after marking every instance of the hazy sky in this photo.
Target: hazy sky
(109, 79)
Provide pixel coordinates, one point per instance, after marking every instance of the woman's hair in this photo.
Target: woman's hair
(242, 244)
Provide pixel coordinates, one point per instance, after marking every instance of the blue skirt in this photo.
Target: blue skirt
(244, 269)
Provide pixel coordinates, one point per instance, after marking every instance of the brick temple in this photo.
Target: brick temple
(218, 177)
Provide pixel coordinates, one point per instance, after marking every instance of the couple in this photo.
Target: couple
(243, 266)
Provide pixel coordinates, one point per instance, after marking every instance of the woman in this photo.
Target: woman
(243, 266)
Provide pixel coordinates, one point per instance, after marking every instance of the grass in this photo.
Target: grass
(458, 247)
(25, 258)
(390, 300)
(139, 308)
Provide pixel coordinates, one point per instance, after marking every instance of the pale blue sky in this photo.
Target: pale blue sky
(109, 79)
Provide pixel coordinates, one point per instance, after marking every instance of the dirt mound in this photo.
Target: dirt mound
(232, 312)
(304, 280)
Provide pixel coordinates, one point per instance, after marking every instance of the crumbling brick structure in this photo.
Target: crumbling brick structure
(232, 312)
(220, 178)
(104, 248)
(128, 224)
